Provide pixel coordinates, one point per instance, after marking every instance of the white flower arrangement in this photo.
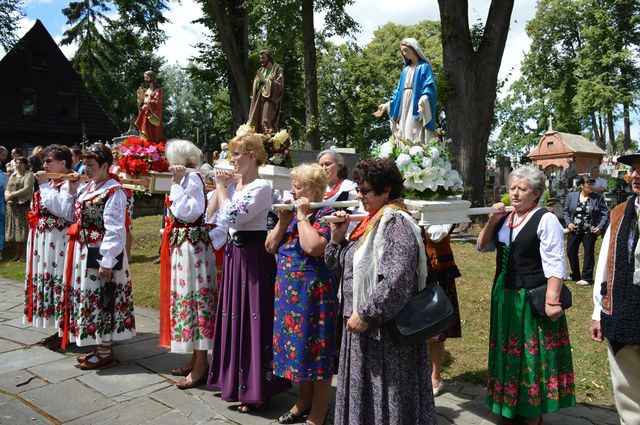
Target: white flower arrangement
(425, 167)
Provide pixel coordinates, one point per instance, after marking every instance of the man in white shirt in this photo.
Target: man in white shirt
(600, 186)
(616, 298)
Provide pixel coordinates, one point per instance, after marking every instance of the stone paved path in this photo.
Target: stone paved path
(38, 386)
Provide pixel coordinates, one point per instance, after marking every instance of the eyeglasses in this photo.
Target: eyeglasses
(236, 154)
(363, 191)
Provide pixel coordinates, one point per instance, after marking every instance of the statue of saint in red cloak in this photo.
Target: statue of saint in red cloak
(149, 120)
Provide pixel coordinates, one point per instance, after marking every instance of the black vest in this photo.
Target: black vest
(524, 266)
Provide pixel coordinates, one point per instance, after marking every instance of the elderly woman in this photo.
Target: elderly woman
(17, 196)
(243, 343)
(530, 366)
(382, 265)
(188, 277)
(49, 220)
(586, 216)
(306, 301)
(98, 305)
(338, 186)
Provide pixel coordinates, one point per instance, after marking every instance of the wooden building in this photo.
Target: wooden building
(42, 98)
(555, 149)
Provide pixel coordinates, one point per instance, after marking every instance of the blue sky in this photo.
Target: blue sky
(370, 14)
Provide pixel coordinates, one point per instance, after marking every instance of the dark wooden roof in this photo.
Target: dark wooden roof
(37, 63)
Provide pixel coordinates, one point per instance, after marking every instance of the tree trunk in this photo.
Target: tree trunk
(612, 133)
(310, 76)
(601, 127)
(596, 132)
(627, 127)
(233, 29)
(472, 78)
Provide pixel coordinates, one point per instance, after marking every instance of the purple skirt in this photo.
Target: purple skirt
(242, 367)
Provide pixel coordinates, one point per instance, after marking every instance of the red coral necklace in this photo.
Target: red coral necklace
(512, 217)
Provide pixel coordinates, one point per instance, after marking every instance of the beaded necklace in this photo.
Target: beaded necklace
(512, 217)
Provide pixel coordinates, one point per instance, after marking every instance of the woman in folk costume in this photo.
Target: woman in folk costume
(98, 299)
(241, 367)
(49, 220)
(530, 369)
(381, 265)
(187, 266)
(412, 106)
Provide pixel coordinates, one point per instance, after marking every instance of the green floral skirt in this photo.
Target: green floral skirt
(530, 367)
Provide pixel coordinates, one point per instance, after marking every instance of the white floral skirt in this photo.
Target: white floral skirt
(193, 297)
(49, 252)
(90, 324)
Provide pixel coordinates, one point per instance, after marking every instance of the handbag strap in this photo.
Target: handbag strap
(431, 276)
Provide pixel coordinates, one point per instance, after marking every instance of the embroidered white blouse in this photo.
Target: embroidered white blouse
(187, 198)
(218, 234)
(551, 237)
(57, 201)
(246, 209)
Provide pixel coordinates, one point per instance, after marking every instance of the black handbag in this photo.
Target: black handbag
(538, 298)
(427, 314)
(93, 256)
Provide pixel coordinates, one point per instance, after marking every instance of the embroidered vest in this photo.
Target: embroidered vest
(46, 219)
(90, 217)
(195, 232)
(620, 316)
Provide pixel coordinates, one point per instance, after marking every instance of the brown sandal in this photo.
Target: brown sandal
(84, 357)
(103, 359)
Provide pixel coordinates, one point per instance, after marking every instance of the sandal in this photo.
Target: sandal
(84, 357)
(185, 383)
(291, 418)
(248, 408)
(181, 371)
(104, 359)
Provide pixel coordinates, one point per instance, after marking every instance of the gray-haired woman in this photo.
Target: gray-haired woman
(188, 277)
(338, 186)
(530, 366)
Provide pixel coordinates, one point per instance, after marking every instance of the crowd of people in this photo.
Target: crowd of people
(299, 299)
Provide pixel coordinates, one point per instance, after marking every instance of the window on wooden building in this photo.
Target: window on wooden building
(29, 102)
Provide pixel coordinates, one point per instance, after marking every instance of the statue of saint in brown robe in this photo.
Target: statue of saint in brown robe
(266, 97)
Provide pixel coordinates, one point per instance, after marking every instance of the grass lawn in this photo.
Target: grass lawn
(466, 357)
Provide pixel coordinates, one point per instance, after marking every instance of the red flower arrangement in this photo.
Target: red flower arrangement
(141, 156)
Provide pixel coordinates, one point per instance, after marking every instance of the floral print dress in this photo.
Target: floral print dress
(46, 251)
(100, 218)
(193, 293)
(306, 308)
